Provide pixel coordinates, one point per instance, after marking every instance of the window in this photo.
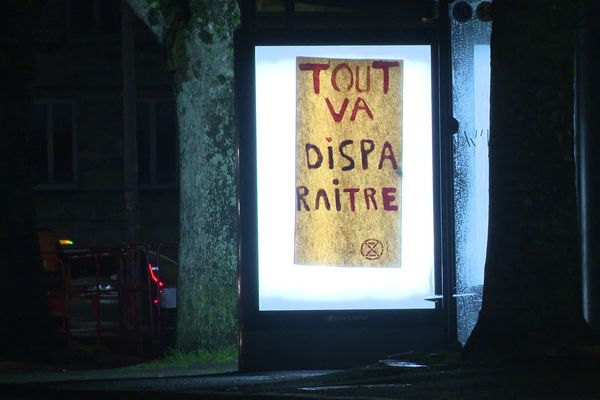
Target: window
(51, 22)
(157, 142)
(52, 143)
(94, 18)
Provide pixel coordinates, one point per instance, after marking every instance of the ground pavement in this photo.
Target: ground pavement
(404, 377)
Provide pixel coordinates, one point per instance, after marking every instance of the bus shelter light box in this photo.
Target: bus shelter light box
(344, 177)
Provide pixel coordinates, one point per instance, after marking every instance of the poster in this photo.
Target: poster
(348, 164)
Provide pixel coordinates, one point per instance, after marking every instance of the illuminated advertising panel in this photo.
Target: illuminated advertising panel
(344, 177)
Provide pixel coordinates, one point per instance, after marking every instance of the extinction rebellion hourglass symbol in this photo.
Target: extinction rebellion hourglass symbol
(371, 249)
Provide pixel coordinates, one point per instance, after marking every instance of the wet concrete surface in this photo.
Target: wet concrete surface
(538, 380)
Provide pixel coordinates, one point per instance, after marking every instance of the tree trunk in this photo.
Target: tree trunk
(207, 310)
(198, 40)
(532, 293)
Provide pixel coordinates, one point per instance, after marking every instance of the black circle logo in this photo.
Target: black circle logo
(484, 11)
(462, 11)
(371, 249)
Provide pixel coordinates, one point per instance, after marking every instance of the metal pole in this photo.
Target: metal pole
(130, 159)
(587, 146)
(446, 187)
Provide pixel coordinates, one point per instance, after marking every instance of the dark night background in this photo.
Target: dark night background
(62, 142)
(65, 71)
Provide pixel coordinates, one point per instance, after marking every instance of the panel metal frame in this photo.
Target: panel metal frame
(264, 335)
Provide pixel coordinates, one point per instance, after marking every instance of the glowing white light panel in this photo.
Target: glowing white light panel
(284, 285)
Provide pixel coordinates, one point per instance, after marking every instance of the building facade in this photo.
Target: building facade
(77, 127)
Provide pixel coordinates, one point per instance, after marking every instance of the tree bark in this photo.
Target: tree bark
(198, 39)
(532, 292)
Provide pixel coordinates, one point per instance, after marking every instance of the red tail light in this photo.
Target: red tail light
(154, 277)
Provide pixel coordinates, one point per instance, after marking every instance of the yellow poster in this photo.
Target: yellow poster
(348, 162)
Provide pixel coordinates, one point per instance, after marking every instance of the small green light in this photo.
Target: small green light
(66, 242)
